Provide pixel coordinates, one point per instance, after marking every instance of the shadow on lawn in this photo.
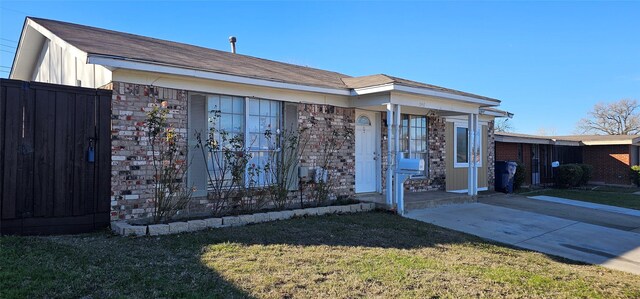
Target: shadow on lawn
(373, 230)
(174, 266)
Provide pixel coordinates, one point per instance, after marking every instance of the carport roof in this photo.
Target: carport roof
(602, 139)
(574, 140)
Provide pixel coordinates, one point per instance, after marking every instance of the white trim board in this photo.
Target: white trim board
(422, 91)
(467, 190)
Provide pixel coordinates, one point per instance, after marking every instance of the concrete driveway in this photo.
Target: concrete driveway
(583, 234)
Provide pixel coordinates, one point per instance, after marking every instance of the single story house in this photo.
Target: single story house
(451, 130)
(610, 155)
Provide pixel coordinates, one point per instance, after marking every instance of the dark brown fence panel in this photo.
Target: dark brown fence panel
(48, 184)
(12, 117)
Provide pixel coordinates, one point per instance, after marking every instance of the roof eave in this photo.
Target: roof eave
(496, 113)
(141, 65)
(423, 91)
(607, 142)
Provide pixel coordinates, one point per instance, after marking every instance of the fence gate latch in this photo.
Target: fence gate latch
(91, 152)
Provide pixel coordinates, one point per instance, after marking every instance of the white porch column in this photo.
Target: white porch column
(477, 142)
(472, 170)
(470, 136)
(390, 161)
(398, 186)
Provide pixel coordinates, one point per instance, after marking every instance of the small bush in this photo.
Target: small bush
(569, 175)
(635, 174)
(519, 177)
(587, 172)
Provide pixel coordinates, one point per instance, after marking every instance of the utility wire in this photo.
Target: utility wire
(8, 46)
(7, 51)
(15, 11)
(5, 67)
(4, 39)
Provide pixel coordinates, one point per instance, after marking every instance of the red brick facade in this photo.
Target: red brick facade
(131, 166)
(131, 158)
(436, 164)
(610, 163)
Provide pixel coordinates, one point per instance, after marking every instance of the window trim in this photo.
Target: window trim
(245, 123)
(425, 173)
(457, 164)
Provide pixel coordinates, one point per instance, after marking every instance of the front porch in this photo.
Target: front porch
(420, 200)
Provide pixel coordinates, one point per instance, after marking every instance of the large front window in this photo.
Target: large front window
(241, 123)
(413, 138)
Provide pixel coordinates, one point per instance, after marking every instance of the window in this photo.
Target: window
(363, 121)
(264, 115)
(462, 142)
(461, 146)
(242, 118)
(413, 138)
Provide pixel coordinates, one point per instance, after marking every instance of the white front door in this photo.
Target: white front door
(365, 152)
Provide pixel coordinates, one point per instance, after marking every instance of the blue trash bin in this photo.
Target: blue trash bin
(505, 172)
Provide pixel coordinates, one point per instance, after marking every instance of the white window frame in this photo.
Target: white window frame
(425, 173)
(457, 164)
(245, 122)
(247, 133)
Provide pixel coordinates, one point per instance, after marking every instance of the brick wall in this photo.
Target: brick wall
(491, 140)
(610, 163)
(131, 167)
(320, 121)
(436, 164)
(132, 170)
(506, 151)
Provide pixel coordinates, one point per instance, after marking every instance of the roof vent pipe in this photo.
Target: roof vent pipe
(232, 40)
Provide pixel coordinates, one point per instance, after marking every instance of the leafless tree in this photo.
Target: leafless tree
(617, 118)
(503, 125)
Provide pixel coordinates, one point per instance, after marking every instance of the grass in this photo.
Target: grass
(613, 196)
(364, 255)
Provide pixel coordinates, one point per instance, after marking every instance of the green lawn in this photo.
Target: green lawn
(364, 255)
(621, 197)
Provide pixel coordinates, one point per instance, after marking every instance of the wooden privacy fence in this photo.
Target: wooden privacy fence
(55, 158)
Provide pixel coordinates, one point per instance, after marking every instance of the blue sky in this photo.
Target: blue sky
(549, 62)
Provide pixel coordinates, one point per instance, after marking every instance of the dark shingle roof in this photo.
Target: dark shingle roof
(99, 41)
(112, 43)
(380, 79)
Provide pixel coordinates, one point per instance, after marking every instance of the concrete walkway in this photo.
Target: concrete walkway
(584, 204)
(610, 243)
(558, 209)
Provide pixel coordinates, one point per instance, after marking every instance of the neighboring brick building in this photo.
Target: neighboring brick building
(451, 130)
(610, 156)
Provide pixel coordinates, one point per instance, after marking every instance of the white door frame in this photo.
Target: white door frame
(375, 118)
